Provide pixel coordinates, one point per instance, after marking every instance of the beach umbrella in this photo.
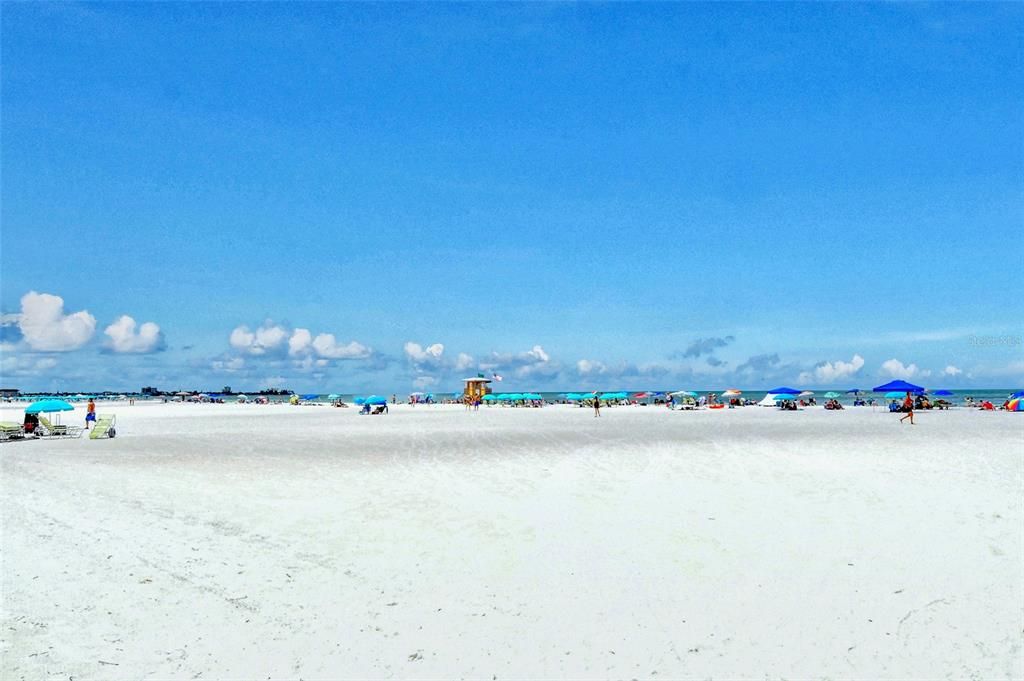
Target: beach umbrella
(48, 407)
(732, 392)
(376, 399)
(806, 393)
(1016, 404)
(359, 400)
(1019, 393)
(783, 391)
(334, 396)
(902, 386)
(490, 397)
(831, 395)
(642, 395)
(684, 393)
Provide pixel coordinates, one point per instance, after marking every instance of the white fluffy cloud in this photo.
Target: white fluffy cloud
(587, 367)
(952, 371)
(122, 336)
(267, 338)
(829, 372)
(897, 369)
(45, 327)
(326, 346)
(275, 339)
(464, 361)
(300, 342)
(430, 355)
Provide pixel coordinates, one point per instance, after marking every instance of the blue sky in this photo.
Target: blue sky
(319, 196)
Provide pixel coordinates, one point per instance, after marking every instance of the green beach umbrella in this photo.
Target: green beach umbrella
(832, 395)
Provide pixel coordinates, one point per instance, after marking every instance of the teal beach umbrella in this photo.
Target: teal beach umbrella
(48, 407)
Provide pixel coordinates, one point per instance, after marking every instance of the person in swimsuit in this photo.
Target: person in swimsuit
(908, 406)
(90, 413)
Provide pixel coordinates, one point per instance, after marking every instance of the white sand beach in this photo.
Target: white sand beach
(245, 541)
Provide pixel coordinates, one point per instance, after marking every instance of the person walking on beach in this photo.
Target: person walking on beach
(908, 406)
(90, 413)
(597, 405)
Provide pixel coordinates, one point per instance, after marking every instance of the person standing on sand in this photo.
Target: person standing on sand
(908, 406)
(597, 405)
(90, 413)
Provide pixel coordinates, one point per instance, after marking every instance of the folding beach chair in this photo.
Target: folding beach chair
(47, 429)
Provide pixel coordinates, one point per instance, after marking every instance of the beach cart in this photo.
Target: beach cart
(104, 427)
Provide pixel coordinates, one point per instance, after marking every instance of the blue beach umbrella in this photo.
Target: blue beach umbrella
(360, 400)
(48, 407)
(376, 399)
(783, 391)
(901, 386)
(1019, 393)
(831, 395)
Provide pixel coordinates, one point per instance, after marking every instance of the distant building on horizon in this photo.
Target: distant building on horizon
(7, 393)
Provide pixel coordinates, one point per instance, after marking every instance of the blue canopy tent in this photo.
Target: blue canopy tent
(902, 386)
(783, 391)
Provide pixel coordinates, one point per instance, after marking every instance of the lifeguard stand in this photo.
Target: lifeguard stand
(476, 388)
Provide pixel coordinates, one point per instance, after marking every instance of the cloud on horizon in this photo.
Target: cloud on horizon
(827, 373)
(703, 346)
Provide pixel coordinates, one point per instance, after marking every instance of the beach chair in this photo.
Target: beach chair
(47, 429)
(11, 431)
(104, 426)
